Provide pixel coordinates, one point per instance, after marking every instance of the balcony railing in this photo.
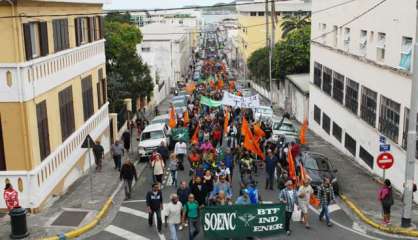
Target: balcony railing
(24, 81)
(35, 185)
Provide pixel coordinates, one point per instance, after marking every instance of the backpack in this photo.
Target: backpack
(388, 199)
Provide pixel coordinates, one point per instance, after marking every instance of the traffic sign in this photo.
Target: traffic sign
(382, 139)
(384, 147)
(88, 142)
(385, 160)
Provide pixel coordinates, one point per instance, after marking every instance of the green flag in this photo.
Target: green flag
(209, 102)
(180, 134)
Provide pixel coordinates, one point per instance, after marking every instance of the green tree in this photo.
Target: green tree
(292, 23)
(258, 65)
(128, 75)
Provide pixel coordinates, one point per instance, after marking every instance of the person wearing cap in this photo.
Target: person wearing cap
(173, 215)
(304, 195)
(288, 196)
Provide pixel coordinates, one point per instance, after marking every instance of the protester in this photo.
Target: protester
(271, 162)
(325, 196)
(386, 199)
(154, 201)
(117, 150)
(222, 185)
(180, 149)
(244, 199)
(11, 197)
(98, 152)
(183, 193)
(304, 193)
(126, 138)
(191, 216)
(163, 151)
(173, 215)
(173, 165)
(158, 168)
(288, 196)
(199, 192)
(127, 174)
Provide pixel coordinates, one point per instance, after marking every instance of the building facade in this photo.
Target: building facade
(252, 21)
(167, 49)
(52, 94)
(361, 79)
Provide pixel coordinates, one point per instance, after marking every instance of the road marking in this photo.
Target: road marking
(344, 227)
(124, 233)
(333, 208)
(358, 228)
(134, 212)
(134, 201)
(162, 237)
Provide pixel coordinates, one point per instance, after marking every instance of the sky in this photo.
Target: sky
(151, 4)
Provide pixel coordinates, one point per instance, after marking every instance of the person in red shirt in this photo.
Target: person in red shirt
(216, 136)
(11, 197)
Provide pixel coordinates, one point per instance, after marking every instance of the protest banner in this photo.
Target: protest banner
(233, 100)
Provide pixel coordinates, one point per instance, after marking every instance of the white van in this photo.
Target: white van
(151, 138)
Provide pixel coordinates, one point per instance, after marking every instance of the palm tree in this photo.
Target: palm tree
(292, 23)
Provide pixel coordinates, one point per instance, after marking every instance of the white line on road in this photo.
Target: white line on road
(124, 233)
(134, 201)
(162, 237)
(333, 208)
(134, 212)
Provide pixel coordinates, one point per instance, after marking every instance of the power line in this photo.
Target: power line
(351, 20)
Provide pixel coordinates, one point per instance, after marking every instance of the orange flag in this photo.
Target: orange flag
(226, 122)
(231, 86)
(245, 128)
(303, 174)
(259, 151)
(314, 201)
(249, 144)
(302, 133)
(190, 87)
(186, 119)
(220, 84)
(212, 84)
(258, 131)
(172, 121)
(292, 170)
(195, 137)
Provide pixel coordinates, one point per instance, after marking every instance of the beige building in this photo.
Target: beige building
(252, 22)
(52, 94)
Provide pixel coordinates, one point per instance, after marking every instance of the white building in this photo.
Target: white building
(186, 17)
(167, 49)
(361, 79)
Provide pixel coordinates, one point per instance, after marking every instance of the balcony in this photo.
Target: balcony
(35, 185)
(21, 82)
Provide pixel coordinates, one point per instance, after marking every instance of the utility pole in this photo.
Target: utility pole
(412, 137)
(267, 24)
(271, 53)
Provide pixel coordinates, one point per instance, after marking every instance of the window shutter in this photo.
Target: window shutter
(101, 27)
(77, 28)
(28, 44)
(57, 35)
(43, 30)
(65, 30)
(95, 37)
(91, 29)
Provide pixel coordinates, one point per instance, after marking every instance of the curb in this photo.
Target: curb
(100, 215)
(369, 221)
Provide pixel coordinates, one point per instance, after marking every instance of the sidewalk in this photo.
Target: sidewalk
(75, 208)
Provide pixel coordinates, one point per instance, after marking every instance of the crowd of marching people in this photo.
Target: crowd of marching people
(224, 139)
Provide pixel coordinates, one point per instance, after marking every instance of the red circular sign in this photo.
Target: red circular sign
(385, 160)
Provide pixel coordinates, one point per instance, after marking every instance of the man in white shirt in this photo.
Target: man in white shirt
(173, 215)
(180, 149)
(304, 194)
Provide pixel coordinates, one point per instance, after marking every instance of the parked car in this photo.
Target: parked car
(263, 113)
(318, 167)
(287, 130)
(180, 106)
(160, 119)
(151, 138)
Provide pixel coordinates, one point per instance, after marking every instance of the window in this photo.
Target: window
(146, 49)
(317, 114)
(104, 89)
(87, 91)
(317, 74)
(36, 39)
(389, 118)
(66, 112)
(100, 89)
(43, 130)
(380, 46)
(368, 106)
(351, 96)
(99, 95)
(350, 144)
(84, 29)
(363, 42)
(405, 132)
(253, 14)
(366, 157)
(60, 28)
(100, 21)
(338, 87)
(335, 36)
(2, 156)
(326, 123)
(347, 38)
(260, 14)
(327, 81)
(406, 53)
(337, 131)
